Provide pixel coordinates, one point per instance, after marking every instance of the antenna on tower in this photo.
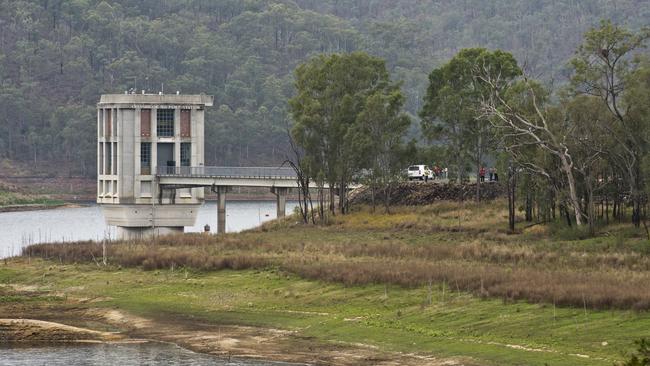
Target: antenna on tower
(135, 82)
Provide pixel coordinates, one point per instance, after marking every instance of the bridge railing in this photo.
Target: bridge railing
(227, 172)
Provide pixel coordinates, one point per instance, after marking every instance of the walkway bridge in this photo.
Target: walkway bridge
(222, 179)
(219, 176)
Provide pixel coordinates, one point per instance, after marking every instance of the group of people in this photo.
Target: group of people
(492, 174)
(438, 172)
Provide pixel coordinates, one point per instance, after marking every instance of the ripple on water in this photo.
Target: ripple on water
(149, 353)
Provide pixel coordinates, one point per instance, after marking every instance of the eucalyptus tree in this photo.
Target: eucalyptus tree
(590, 147)
(331, 93)
(603, 68)
(520, 110)
(380, 138)
(453, 99)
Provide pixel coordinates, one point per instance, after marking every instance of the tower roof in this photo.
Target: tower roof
(157, 99)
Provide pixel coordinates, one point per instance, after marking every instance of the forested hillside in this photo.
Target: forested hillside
(58, 56)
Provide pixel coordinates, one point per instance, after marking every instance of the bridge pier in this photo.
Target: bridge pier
(281, 199)
(221, 208)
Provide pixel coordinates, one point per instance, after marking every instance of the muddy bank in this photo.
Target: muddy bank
(38, 331)
(222, 340)
(38, 207)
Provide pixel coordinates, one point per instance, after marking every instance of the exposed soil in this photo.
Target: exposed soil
(32, 330)
(38, 207)
(74, 321)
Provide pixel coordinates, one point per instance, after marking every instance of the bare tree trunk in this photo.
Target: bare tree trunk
(478, 169)
(387, 192)
(636, 195)
(343, 196)
(529, 206)
(573, 196)
(511, 186)
(567, 215)
(591, 211)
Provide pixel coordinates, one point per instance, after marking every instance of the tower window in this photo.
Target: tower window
(186, 123)
(186, 154)
(165, 122)
(145, 158)
(108, 167)
(145, 122)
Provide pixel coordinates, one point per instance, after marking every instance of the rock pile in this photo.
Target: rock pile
(420, 193)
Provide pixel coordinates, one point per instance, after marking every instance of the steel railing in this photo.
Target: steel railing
(227, 172)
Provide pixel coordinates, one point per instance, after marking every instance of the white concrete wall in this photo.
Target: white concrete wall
(120, 190)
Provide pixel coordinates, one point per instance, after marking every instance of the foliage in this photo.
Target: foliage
(346, 118)
(453, 97)
(379, 140)
(642, 355)
(56, 57)
(584, 145)
(602, 69)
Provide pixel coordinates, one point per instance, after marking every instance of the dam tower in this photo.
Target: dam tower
(140, 136)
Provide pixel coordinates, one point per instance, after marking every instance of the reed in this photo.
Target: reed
(365, 248)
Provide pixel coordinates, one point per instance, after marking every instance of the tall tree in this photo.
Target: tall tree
(331, 93)
(380, 133)
(526, 121)
(453, 99)
(603, 68)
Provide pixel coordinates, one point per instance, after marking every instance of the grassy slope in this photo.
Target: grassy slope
(458, 325)
(393, 318)
(11, 196)
(14, 199)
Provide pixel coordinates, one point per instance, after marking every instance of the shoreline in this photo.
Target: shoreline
(223, 341)
(87, 203)
(38, 207)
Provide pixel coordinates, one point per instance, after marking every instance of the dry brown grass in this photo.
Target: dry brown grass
(366, 248)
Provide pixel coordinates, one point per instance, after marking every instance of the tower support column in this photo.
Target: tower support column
(281, 199)
(221, 209)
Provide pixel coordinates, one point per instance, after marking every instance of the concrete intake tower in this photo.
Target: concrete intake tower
(140, 136)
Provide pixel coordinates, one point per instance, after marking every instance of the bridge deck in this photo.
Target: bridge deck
(204, 176)
(227, 172)
(201, 176)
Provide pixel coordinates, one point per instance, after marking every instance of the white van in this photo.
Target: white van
(421, 172)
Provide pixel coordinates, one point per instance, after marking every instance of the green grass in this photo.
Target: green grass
(391, 318)
(13, 198)
(490, 327)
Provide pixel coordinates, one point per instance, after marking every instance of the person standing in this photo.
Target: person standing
(481, 174)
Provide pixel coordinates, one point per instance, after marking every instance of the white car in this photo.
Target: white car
(420, 172)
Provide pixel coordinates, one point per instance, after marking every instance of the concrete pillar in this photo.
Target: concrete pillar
(221, 209)
(281, 200)
(135, 233)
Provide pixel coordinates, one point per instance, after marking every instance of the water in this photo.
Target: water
(150, 353)
(18, 229)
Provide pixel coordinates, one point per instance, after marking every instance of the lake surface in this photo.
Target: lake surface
(19, 229)
(150, 354)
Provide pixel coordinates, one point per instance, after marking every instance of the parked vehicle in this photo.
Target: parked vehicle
(420, 172)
